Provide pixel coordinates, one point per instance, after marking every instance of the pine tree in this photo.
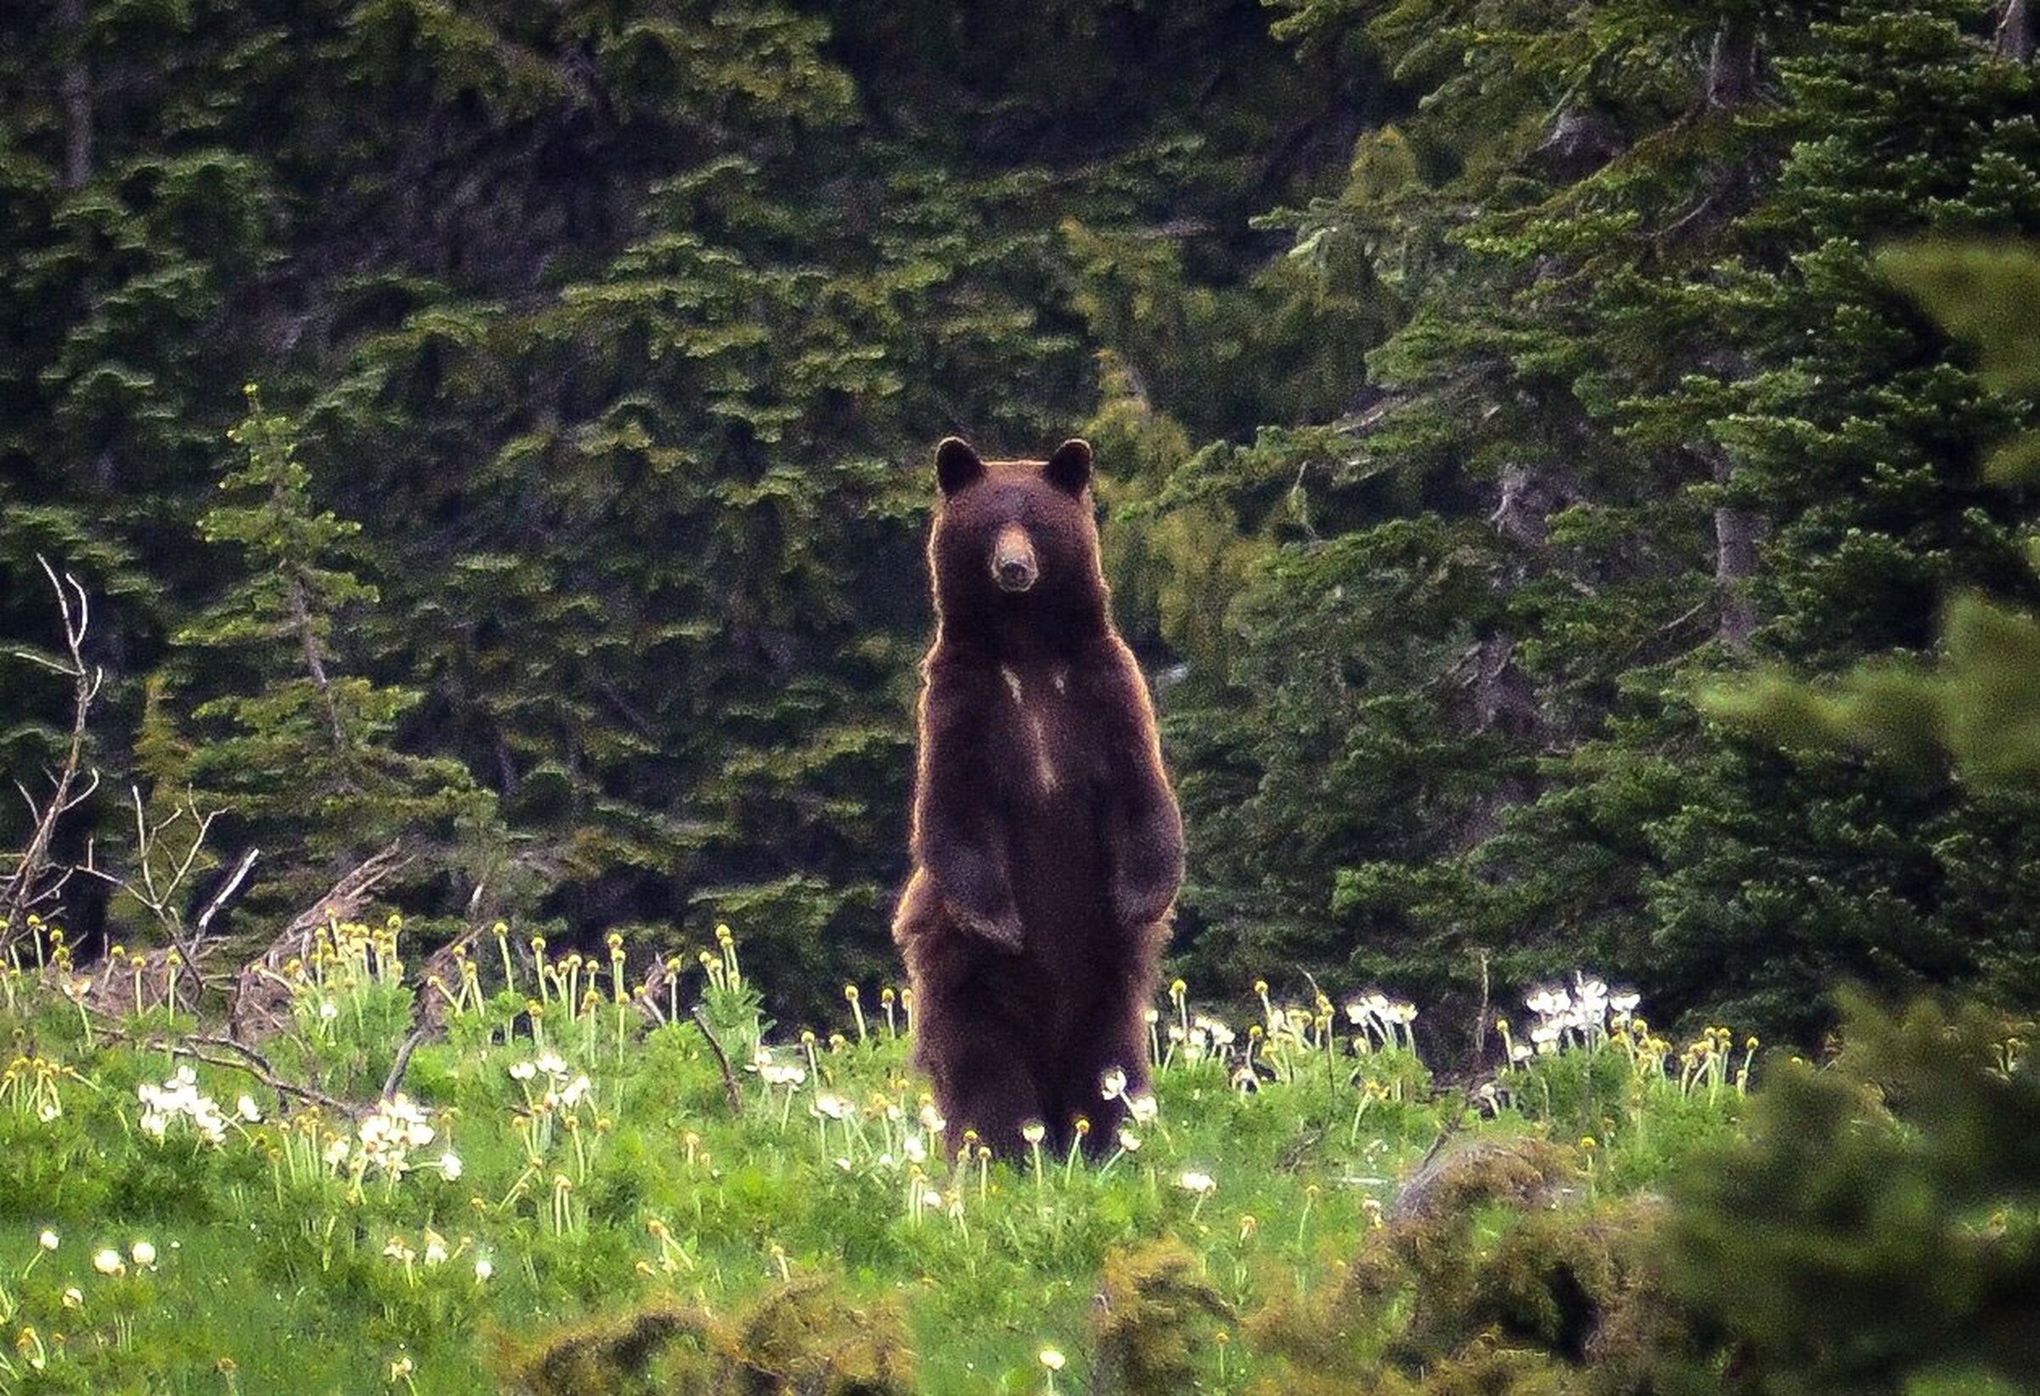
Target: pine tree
(298, 750)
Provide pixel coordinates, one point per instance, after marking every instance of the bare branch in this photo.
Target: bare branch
(403, 1062)
(722, 1059)
(34, 879)
(235, 1056)
(158, 896)
(227, 890)
(261, 995)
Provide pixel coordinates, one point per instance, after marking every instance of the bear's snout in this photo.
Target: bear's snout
(1013, 564)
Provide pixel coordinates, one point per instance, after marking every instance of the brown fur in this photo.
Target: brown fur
(1047, 845)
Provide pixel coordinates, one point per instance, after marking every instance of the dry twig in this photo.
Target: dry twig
(34, 879)
(722, 1059)
(261, 990)
(161, 872)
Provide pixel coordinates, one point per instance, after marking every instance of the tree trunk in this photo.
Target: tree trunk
(315, 664)
(1732, 64)
(75, 90)
(1735, 562)
(1496, 694)
(2015, 31)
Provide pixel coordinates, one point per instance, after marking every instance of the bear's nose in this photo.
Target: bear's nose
(1015, 573)
(1013, 559)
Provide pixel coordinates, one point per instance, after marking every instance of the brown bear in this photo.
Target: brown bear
(1047, 845)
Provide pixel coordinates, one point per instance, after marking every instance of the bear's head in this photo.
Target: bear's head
(1015, 540)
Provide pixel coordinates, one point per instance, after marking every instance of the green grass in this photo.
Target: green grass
(279, 1269)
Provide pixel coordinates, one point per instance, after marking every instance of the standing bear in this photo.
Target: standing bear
(1047, 845)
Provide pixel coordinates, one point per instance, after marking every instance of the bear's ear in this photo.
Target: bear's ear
(956, 464)
(1069, 469)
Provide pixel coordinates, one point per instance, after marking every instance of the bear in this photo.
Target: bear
(1046, 843)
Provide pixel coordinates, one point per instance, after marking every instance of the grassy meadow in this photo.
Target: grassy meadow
(564, 1163)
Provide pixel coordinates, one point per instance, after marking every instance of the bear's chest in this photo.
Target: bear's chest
(1047, 751)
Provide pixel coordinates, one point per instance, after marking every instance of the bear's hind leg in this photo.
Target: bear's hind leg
(1118, 1049)
(985, 1084)
(971, 1027)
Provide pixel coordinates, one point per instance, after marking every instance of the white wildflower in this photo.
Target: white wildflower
(782, 1073)
(179, 1098)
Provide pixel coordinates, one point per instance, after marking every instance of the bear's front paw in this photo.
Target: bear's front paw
(1137, 908)
(1002, 930)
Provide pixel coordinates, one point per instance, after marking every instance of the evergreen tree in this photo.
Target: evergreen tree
(296, 749)
(1631, 243)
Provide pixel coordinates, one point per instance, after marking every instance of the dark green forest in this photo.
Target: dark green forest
(504, 430)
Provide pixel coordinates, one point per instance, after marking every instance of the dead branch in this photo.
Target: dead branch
(261, 1001)
(403, 1062)
(722, 1059)
(157, 891)
(226, 892)
(650, 999)
(440, 979)
(127, 984)
(33, 880)
(235, 1056)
